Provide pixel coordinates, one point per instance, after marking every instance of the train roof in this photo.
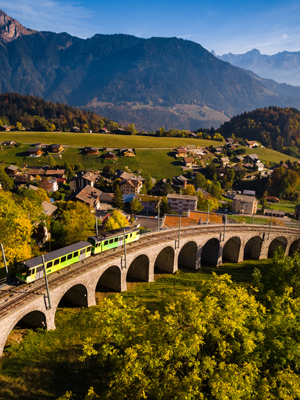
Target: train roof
(114, 232)
(33, 262)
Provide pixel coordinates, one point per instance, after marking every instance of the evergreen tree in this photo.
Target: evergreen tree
(118, 198)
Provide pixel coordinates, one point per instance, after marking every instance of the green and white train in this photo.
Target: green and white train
(33, 269)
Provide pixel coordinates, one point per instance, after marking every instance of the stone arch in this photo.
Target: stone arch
(253, 248)
(275, 244)
(110, 280)
(210, 252)
(188, 256)
(75, 296)
(32, 320)
(295, 246)
(165, 260)
(139, 269)
(231, 250)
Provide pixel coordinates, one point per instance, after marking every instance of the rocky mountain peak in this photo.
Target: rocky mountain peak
(11, 29)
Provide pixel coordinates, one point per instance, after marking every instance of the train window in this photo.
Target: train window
(126, 236)
(63, 259)
(76, 254)
(111, 241)
(56, 261)
(116, 239)
(82, 251)
(39, 269)
(88, 249)
(29, 272)
(69, 257)
(49, 264)
(131, 235)
(106, 242)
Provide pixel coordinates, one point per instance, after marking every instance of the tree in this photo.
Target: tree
(189, 190)
(199, 181)
(115, 221)
(131, 129)
(75, 223)
(7, 183)
(164, 207)
(135, 206)
(52, 162)
(118, 198)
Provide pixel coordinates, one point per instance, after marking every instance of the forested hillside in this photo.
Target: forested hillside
(33, 113)
(276, 128)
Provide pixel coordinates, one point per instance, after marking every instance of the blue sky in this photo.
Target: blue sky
(233, 26)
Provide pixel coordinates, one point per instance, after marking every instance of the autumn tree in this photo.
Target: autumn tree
(116, 220)
(7, 183)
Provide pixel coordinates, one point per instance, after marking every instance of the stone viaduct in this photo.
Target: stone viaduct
(191, 249)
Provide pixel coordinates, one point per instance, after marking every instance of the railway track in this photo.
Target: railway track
(15, 296)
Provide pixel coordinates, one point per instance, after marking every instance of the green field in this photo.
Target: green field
(103, 140)
(45, 364)
(159, 163)
(270, 155)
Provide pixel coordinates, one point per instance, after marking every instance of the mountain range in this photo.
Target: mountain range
(282, 67)
(152, 82)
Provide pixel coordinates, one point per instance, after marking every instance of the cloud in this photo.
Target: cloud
(285, 36)
(50, 15)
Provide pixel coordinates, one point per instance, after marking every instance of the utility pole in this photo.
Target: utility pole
(158, 217)
(124, 240)
(46, 280)
(179, 231)
(270, 226)
(4, 260)
(252, 218)
(207, 214)
(96, 227)
(225, 222)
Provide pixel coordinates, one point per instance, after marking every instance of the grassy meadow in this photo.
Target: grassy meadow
(45, 364)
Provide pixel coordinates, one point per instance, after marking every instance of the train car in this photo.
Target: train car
(112, 239)
(33, 269)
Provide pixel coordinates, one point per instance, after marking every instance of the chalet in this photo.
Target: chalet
(35, 152)
(181, 152)
(128, 153)
(259, 166)
(188, 161)
(179, 181)
(251, 144)
(182, 203)
(238, 159)
(56, 148)
(285, 166)
(272, 199)
(89, 196)
(218, 150)
(120, 131)
(225, 161)
(8, 143)
(11, 170)
(75, 129)
(129, 186)
(91, 151)
(5, 128)
(237, 168)
(248, 192)
(229, 140)
(57, 173)
(251, 158)
(34, 172)
(221, 171)
(119, 173)
(22, 179)
(85, 179)
(110, 156)
(49, 184)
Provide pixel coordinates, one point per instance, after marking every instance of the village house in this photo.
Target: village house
(259, 166)
(8, 143)
(11, 170)
(49, 184)
(274, 213)
(22, 179)
(89, 196)
(82, 180)
(272, 199)
(128, 153)
(251, 144)
(251, 159)
(224, 161)
(49, 209)
(218, 150)
(188, 161)
(5, 128)
(179, 181)
(182, 203)
(35, 152)
(109, 156)
(91, 151)
(244, 204)
(130, 186)
(150, 203)
(181, 152)
(35, 172)
(56, 148)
